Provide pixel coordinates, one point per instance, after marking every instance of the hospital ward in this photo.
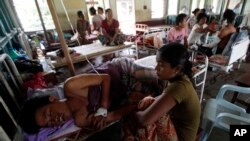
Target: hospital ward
(124, 70)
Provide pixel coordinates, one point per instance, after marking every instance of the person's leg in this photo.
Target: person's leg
(120, 39)
(103, 39)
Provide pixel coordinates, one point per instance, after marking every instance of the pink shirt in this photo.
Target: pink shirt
(177, 36)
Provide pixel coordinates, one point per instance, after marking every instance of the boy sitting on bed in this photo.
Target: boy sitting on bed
(88, 98)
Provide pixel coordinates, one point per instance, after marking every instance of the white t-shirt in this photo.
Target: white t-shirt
(97, 19)
(195, 36)
(102, 16)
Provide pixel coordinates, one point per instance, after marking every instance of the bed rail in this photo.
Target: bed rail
(11, 97)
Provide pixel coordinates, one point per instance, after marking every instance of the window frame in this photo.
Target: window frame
(36, 24)
(163, 9)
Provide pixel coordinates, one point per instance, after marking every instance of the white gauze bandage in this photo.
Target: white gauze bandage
(101, 112)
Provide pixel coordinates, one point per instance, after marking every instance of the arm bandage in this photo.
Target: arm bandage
(101, 112)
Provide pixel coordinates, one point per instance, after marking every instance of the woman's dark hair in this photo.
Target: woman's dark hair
(212, 18)
(176, 54)
(79, 14)
(229, 15)
(100, 8)
(203, 10)
(92, 11)
(201, 16)
(180, 18)
(27, 119)
(107, 10)
(196, 10)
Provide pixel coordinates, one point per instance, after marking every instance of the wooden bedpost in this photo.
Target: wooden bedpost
(61, 37)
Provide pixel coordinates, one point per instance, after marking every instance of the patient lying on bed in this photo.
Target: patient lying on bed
(47, 111)
(89, 97)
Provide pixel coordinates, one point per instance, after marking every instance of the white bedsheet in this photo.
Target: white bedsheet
(90, 51)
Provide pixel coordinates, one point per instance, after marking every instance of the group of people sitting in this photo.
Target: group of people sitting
(93, 102)
(107, 27)
(190, 31)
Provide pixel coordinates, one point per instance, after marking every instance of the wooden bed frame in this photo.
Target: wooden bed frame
(91, 51)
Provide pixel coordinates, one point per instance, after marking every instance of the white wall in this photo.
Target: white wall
(73, 6)
(113, 7)
(142, 14)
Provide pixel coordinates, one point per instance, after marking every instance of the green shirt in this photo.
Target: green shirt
(186, 113)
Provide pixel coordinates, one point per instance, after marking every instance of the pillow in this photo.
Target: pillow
(56, 91)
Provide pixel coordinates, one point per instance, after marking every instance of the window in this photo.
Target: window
(126, 16)
(172, 7)
(235, 5)
(28, 15)
(247, 7)
(96, 3)
(184, 6)
(201, 4)
(157, 9)
(194, 5)
(216, 6)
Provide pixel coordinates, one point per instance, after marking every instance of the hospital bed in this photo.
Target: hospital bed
(141, 28)
(199, 76)
(91, 51)
(11, 101)
(152, 40)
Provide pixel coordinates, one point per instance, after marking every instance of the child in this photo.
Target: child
(179, 33)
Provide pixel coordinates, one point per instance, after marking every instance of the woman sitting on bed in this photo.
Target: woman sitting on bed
(110, 30)
(87, 102)
(175, 114)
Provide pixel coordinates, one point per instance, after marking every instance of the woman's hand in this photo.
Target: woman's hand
(98, 122)
(145, 102)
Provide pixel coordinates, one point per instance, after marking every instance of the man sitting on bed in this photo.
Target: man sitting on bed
(88, 98)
